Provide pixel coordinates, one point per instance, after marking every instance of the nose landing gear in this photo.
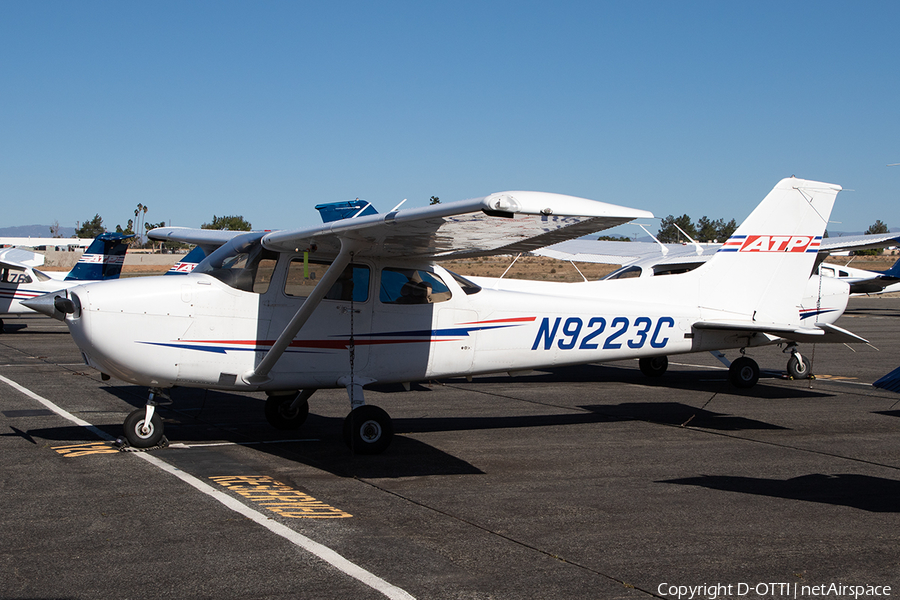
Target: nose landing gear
(144, 427)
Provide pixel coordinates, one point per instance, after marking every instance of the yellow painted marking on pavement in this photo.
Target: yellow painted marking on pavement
(835, 377)
(85, 449)
(279, 498)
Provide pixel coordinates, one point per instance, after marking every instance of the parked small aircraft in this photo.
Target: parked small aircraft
(362, 299)
(21, 280)
(864, 282)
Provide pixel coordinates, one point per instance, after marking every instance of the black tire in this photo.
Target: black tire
(140, 439)
(743, 373)
(368, 430)
(280, 415)
(654, 366)
(799, 367)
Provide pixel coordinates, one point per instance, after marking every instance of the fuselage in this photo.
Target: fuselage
(387, 322)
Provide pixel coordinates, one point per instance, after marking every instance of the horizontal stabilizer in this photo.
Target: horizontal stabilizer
(208, 239)
(824, 333)
(890, 382)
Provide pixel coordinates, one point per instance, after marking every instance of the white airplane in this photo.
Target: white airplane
(362, 300)
(21, 280)
(863, 282)
(35, 242)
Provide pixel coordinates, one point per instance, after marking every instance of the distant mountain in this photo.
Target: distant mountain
(34, 231)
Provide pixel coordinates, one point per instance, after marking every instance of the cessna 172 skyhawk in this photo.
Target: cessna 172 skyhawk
(252, 317)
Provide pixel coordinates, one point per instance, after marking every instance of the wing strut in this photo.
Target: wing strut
(261, 372)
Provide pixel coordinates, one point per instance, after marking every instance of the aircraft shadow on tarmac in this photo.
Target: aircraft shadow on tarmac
(870, 311)
(675, 413)
(888, 413)
(700, 381)
(199, 416)
(873, 494)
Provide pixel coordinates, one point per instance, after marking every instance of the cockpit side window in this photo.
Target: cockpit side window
(412, 286)
(15, 276)
(303, 276)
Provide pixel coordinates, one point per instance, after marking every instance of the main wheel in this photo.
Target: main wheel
(281, 415)
(368, 430)
(654, 366)
(799, 367)
(743, 373)
(139, 436)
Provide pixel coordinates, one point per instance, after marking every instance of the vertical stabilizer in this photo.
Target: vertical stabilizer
(761, 272)
(103, 259)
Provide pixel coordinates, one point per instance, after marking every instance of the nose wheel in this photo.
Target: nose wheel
(143, 432)
(144, 427)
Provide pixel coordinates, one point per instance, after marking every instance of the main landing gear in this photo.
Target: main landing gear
(654, 366)
(367, 429)
(743, 372)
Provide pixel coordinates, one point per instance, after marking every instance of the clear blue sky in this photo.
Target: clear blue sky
(265, 109)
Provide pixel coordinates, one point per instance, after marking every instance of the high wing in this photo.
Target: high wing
(502, 223)
(16, 258)
(859, 242)
(208, 239)
(626, 253)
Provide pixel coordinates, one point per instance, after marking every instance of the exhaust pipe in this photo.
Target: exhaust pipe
(51, 305)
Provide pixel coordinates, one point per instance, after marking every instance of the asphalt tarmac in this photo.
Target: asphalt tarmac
(589, 482)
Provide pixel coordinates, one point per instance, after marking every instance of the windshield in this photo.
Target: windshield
(241, 263)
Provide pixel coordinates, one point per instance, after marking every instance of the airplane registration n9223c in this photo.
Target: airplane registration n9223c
(362, 298)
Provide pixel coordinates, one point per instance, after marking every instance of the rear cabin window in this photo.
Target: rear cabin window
(302, 277)
(625, 273)
(412, 286)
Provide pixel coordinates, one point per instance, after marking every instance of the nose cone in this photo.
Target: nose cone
(52, 305)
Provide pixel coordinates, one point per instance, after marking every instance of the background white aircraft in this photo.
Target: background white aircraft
(360, 300)
(36, 242)
(21, 280)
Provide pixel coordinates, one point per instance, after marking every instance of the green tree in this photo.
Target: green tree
(707, 229)
(91, 229)
(725, 230)
(231, 223)
(877, 227)
(434, 200)
(668, 232)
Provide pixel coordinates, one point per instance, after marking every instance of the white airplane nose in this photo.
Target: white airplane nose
(52, 305)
